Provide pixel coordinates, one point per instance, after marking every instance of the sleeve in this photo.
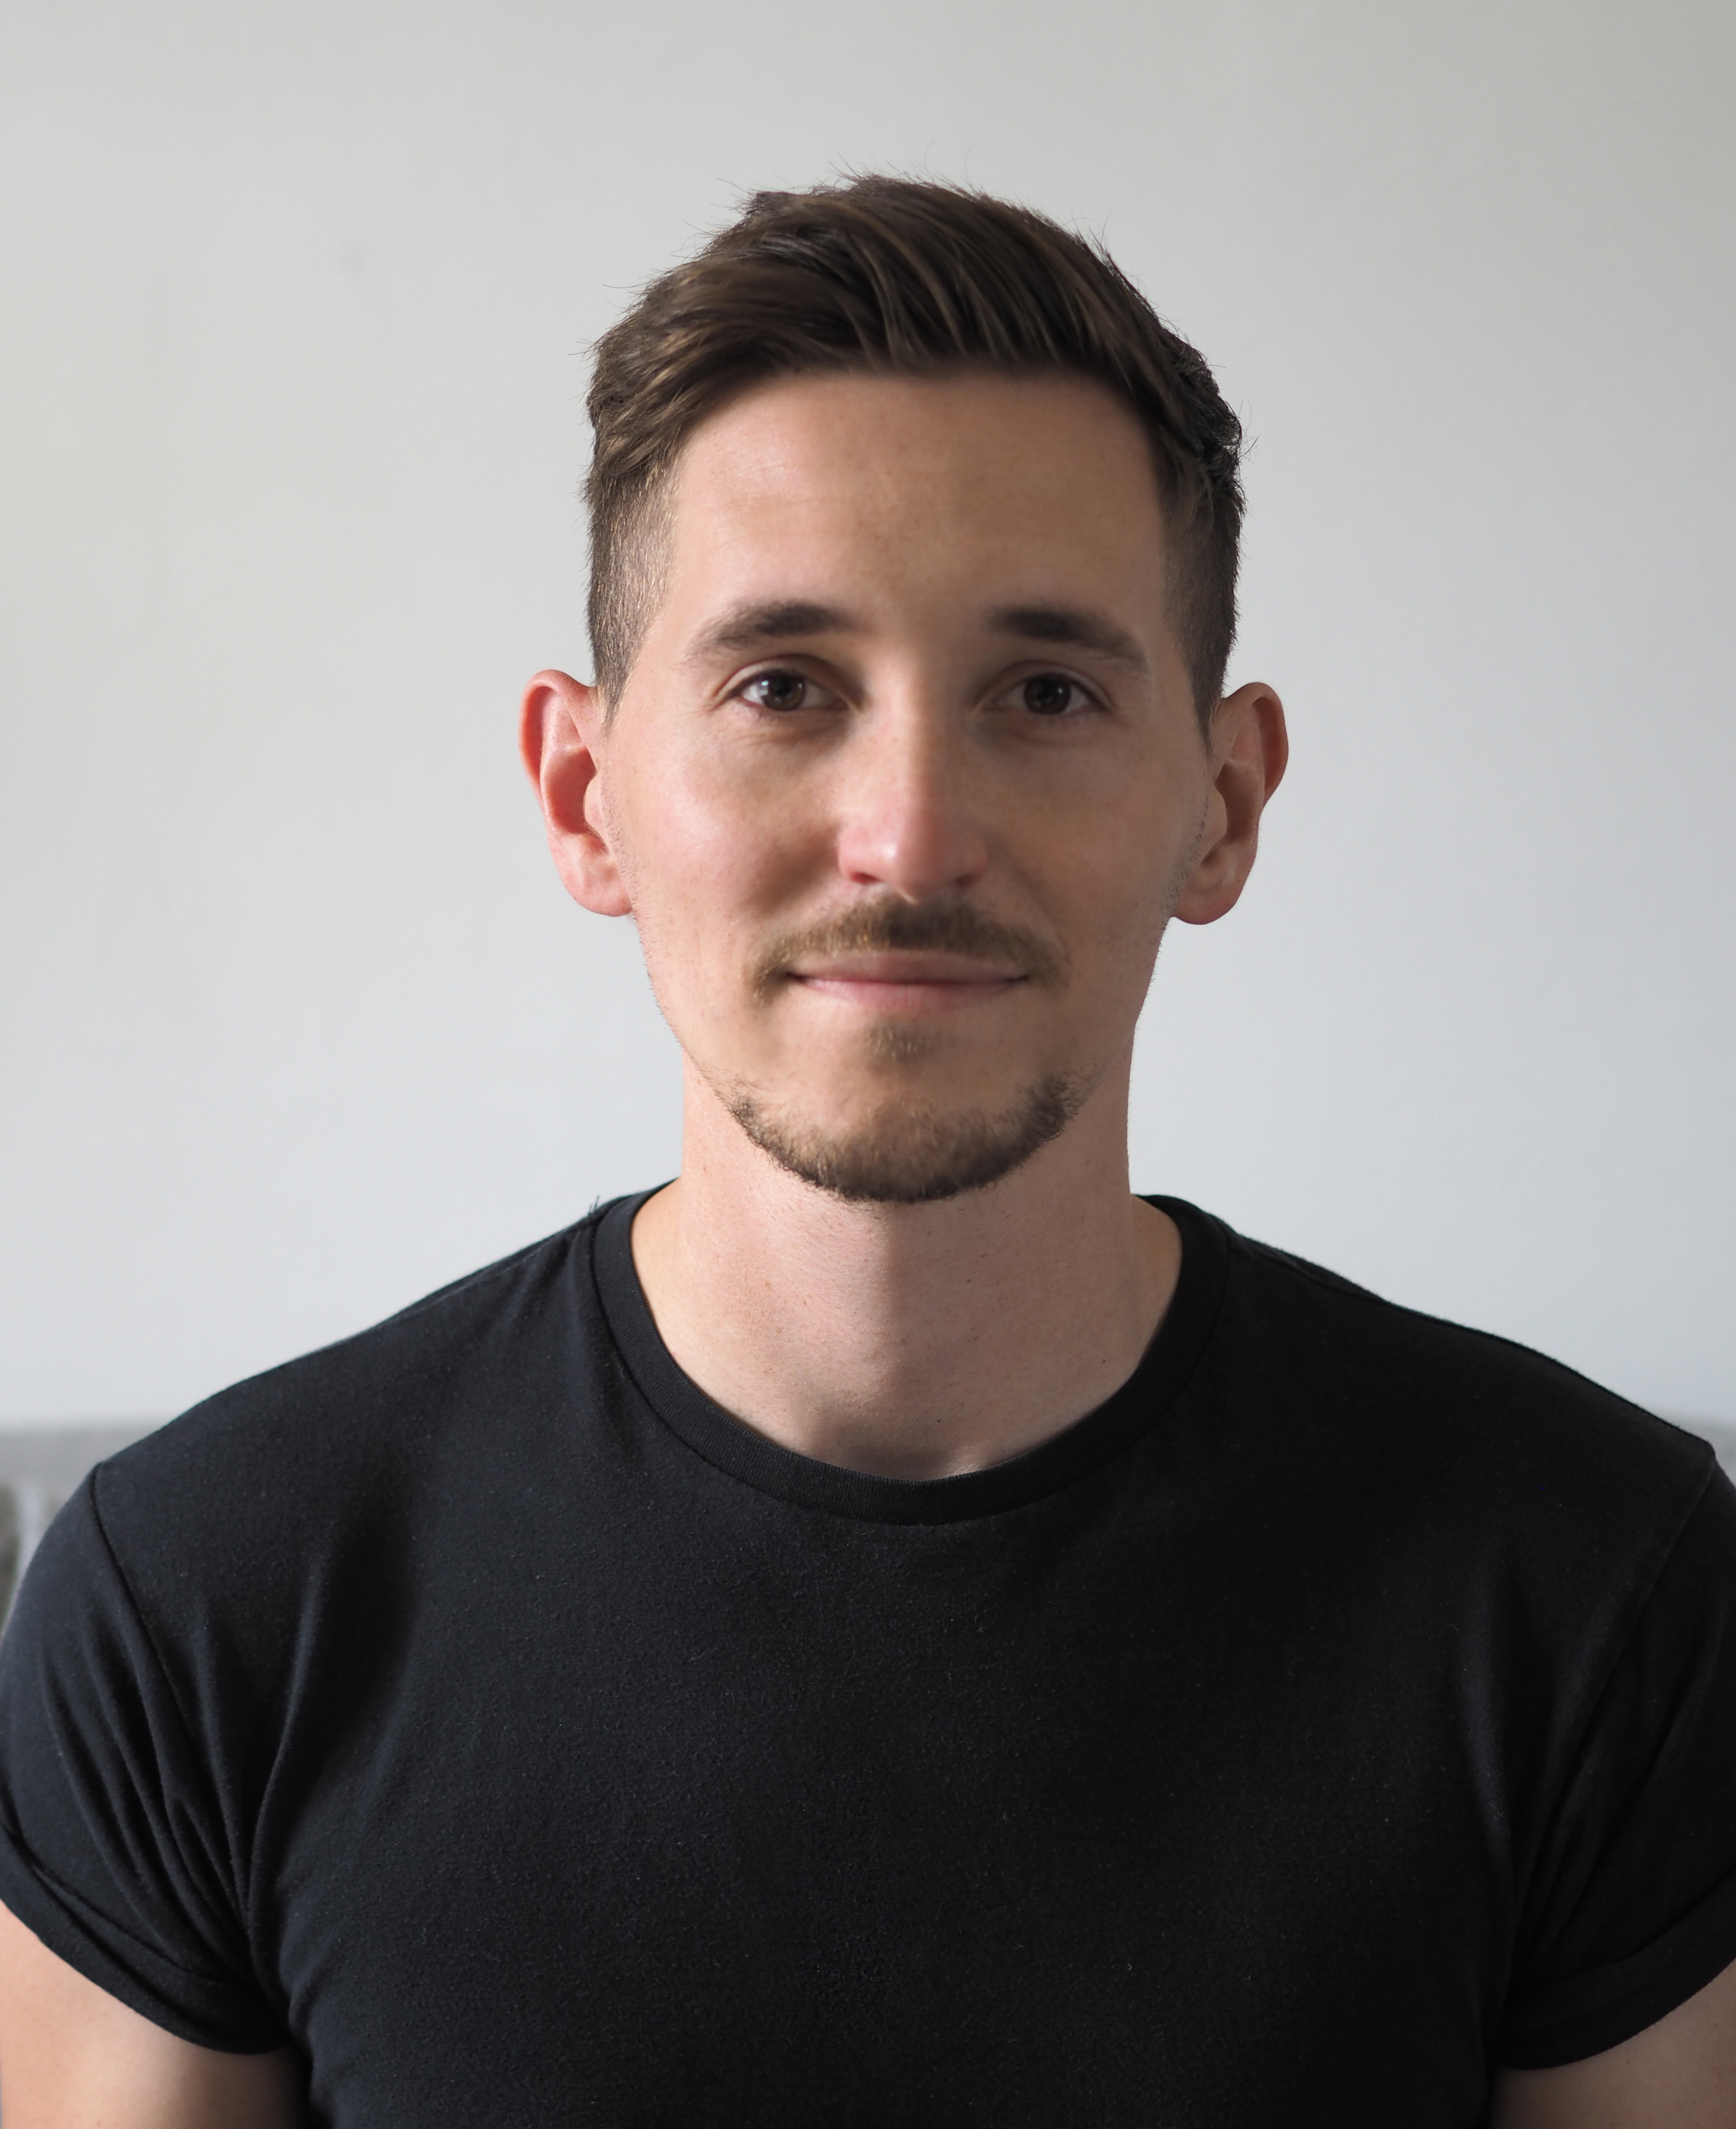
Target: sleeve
(113, 1848)
(1632, 1907)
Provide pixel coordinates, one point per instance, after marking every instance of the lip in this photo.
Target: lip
(907, 983)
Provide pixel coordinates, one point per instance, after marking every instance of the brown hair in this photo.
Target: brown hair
(888, 275)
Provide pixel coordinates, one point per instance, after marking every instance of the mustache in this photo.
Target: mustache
(890, 926)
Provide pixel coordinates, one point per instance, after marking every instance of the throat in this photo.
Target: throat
(905, 1339)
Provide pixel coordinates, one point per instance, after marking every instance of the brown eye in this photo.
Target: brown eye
(1049, 694)
(777, 691)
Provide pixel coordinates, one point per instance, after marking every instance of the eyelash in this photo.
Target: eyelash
(1087, 698)
(1067, 680)
(775, 672)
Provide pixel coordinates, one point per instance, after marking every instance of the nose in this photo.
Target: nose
(908, 821)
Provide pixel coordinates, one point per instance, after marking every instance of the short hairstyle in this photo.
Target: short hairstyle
(896, 278)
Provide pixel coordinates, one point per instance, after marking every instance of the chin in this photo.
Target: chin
(908, 1153)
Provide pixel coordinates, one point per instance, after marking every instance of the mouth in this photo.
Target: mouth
(907, 983)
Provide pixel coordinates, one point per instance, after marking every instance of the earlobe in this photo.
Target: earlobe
(560, 734)
(1250, 748)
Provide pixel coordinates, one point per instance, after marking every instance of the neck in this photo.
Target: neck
(910, 1340)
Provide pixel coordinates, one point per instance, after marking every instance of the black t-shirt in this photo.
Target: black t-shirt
(1345, 1707)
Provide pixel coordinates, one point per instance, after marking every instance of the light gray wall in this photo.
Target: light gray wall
(297, 1023)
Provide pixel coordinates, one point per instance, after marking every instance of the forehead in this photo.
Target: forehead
(969, 485)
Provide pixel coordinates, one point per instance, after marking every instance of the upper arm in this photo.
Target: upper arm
(1679, 2074)
(72, 2057)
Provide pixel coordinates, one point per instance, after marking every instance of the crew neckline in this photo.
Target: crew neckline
(724, 1442)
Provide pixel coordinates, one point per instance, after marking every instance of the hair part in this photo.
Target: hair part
(892, 276)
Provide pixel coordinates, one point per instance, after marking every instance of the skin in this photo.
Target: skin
(929, 528)
(914, 551)
(72, 2057)
(1679, 2074)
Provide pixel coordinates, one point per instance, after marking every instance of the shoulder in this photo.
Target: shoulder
(261, 1568)
(330, 1459)
(1410, 1416)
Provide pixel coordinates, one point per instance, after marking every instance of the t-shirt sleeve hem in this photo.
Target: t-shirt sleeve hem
(209, 2014)
(1583, 2016)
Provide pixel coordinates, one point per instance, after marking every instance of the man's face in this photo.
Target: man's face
(907, 778)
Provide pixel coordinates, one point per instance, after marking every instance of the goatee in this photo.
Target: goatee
(911, 1155)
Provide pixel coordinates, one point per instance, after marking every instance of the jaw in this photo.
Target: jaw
(906, 1112)
(908, 1153)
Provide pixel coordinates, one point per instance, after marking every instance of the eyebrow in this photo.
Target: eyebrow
(775, 620)
(771, 620)
(1078, 627)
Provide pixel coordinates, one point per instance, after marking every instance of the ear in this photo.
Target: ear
(1248, 747)
(560, 733)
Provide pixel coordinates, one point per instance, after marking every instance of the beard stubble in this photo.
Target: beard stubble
(909, 1152)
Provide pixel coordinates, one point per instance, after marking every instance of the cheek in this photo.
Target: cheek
(1113, 871)
(706, 863)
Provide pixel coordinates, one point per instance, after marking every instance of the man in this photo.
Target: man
(890, 1628)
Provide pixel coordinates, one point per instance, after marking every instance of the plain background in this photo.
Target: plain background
(297, 1020)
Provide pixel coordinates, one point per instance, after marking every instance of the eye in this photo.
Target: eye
(1050, 695)
(784, 691)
